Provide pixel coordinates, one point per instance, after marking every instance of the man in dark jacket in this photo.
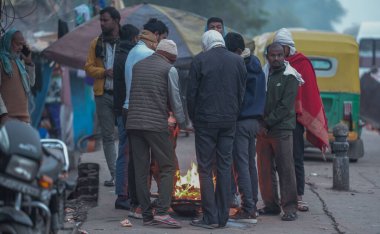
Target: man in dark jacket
(127, 41)
(153, 95)
(247, 126)
(275, 138)
(215, 95)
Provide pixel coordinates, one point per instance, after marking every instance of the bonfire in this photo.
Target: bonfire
(187, 186)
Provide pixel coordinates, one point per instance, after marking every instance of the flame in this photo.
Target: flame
(187, 186)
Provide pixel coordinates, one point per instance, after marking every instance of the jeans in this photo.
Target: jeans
(104, 110)
(298, 156)
(121, 180)
(215, 145)
(158, 142)
(244, 155)
(275, 151)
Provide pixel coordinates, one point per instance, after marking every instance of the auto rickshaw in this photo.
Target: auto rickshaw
(335, 58)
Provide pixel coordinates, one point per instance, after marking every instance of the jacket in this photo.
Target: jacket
(151, 95)
(279, 112)
(119, 88)
(254, 97)
(94, 68)
(216, 88)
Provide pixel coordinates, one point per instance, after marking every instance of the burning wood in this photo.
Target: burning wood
(187, 186)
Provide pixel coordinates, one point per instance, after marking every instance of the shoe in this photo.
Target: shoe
(302, 206)
(242, 216)
(122, 203)
(201, 223)
(289, 216)
(269, 211)
(166, 220)
(235, 201)
(109, 183)
(135, 212)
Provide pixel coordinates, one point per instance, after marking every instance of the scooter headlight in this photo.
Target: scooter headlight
(22, 168)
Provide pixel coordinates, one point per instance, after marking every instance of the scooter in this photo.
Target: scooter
(32, 180)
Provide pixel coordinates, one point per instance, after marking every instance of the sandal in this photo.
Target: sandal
(289, 217)
(302, 206)
(167, 220)
(126, 223)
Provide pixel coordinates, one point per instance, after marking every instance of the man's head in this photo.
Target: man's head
(275, 55)
(211, 39)
(168, 49)
(215, 23)
(284, 37)
(130, 33)
(109, 20)
(17, 43)
(158, 28)
(234, 42)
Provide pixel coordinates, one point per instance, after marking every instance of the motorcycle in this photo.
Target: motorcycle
(32, 180)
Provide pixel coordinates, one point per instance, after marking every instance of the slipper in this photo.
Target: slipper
(289, 217)
(126, 223)
(167, 220)
(302, 206)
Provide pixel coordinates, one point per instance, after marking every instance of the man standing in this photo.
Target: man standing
(127, 42)
(215, 94)
(154, 30)
(152, 95)
(275, 138)
(16, 78)
(244, 152)
(309, 111)
(99, 65)
(215, 23)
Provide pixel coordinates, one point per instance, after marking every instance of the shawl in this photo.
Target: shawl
(309, 106)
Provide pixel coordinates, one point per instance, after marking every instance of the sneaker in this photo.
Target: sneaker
(201, 223)
(242, 216)
(235, 201)
(109, 183)
(122, 203)
(135, 212)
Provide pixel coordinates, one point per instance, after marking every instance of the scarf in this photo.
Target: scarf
(284, 37)
(171, 57)
(289, 70)
(211, 39)
(6, 56)
(100, 48)
(309, 106)
(149, 39)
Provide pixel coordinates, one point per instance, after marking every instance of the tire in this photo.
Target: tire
(14, 228)
(356, 150)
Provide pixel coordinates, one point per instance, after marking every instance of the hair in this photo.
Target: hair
(274, 44)
(154, 25)
(115, 15)
(234, 41)
(129, 31)
(214, 19)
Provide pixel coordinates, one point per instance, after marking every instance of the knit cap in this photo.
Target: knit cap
(167, 48)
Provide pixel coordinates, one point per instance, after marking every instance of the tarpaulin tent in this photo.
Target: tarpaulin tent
(185, 28)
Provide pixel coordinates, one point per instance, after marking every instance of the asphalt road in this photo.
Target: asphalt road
(354, 211)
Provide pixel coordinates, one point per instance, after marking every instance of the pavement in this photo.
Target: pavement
(353, 211)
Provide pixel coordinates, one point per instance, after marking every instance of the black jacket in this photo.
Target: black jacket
(119, 91)
(216, 88)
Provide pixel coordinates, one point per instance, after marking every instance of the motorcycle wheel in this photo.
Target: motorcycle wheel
(14, 228)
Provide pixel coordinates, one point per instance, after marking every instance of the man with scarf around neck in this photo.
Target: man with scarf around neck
(247, 126)
(99, 65)
(154, 93)
(16, 78)
(153, 31)
(309, 111)
(275, 138)
(214, 97)
(128, 40)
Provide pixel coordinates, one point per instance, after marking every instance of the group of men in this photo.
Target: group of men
(230, 101)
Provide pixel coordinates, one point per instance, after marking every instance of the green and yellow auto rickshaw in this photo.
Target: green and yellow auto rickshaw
(335, 58)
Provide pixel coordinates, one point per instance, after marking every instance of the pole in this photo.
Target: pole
(341, 180)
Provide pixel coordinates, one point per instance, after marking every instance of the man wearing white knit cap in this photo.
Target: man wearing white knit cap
(214, 96)
(154, 86)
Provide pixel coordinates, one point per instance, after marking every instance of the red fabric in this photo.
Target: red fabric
(309, 106)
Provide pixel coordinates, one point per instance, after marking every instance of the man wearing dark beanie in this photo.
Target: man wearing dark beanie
(155, 88)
